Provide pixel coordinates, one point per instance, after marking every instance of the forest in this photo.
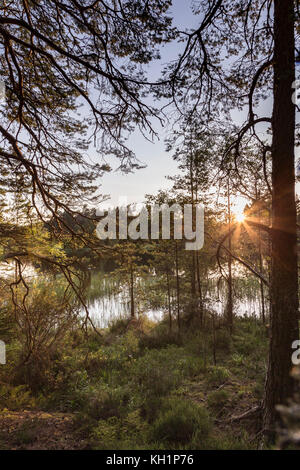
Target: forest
(118, 332)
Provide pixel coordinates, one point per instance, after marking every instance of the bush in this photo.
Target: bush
(217, 375)
(119, 326)
(227, 442)
(249, 339)
(180, 422)
(27, 433)
(156, 373)
(238, 360)
(159, 340)
(116, 434)
(217, 399)
(191, 366)
(223, 341)
(107, 434)
(150, 408)
(258, 390)
(106, 404)
(16, 398)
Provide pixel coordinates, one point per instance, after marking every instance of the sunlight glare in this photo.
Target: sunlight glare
(239, 217)
(238, 209)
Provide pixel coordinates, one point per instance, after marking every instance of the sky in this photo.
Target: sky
(159, 164)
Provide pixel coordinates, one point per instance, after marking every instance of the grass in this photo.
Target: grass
(142, 388)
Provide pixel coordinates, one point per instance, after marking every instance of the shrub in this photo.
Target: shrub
(116, 434)
(156, 373)
(223, 341)
(180, 422)
(159, 340)
(191, 366)
(217, 399)
(27, 433)
(150, 408)
(195, 344)
(249, 340)
(106, 404)
(217, 375)
(258, 390)
(107, 434)
(16, 398)
(226, 442)
(119, 325)
(238, 359)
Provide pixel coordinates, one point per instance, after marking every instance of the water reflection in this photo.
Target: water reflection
(108, 299)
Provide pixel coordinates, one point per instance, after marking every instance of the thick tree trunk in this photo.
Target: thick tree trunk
(284, 282)
(262, 298)
(261, 266)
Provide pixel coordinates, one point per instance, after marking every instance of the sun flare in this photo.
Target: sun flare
(238, 209)
(239, 217)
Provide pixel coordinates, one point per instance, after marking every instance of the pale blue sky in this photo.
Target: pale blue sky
(159, 163)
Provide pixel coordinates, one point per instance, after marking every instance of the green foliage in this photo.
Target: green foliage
(217, 375)
(228, 441)
(258, 390)
(181, 421)
(151, 407)
(223, 341)
(217, 399)
(289, 433)
(238, 360)
(119, 326)
(16, 398)
(6, 325)
(106, 403)
(250, 349)
(27, 433)
(160, 339)
(126, 396)
(156, 373)
(120, 434)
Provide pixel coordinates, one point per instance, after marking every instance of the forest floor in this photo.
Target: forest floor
(38, 430)
(140, 387)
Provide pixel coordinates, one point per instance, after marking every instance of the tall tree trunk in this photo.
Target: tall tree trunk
(214, 339)
(193, 264)
(169, 302)
(131, 292)
(229, 306)
(201, 306)
(262, 295)
(177, 285)
(284, 282)
(261, 265)
(193, 285)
